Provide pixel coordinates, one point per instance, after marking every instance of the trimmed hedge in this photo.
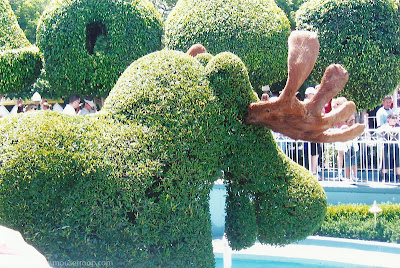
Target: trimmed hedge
(356, 222)
(88, 44)
(131, 184)
(256, 31)
(20, 61)
(361, 35)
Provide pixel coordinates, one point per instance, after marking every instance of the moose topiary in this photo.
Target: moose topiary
(130, 184)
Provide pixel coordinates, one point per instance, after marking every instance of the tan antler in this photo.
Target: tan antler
(304, 120)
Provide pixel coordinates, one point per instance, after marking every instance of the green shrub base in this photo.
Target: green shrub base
(356, 222)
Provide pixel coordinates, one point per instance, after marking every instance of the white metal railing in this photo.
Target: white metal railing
(375, 153)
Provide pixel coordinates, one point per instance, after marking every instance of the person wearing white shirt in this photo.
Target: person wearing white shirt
(89, 106)
(350, 151)
(390, 133)
(73, 104)
(384, 111)
(15, 252)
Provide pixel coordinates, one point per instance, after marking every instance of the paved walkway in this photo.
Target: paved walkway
(316, 251)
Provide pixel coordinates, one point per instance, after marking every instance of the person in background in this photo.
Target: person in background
(73, 105)
(89, 107)
(264, 97)
(350, 151)
(391, 157)
(336, 103)
(20, 106)
(44, 105)
(384, 111)
(30, 107)
(316, 149)
(381, 119)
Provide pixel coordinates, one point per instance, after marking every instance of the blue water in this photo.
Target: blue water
(254, 263)
(261, 264)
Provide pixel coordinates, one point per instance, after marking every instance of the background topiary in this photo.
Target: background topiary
(256, 31)
(290, 7)
(361, 35)
(20, 61)
(28, 13)
(131, 183)
(88, 44)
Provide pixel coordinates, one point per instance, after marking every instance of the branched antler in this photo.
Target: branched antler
(303, 120)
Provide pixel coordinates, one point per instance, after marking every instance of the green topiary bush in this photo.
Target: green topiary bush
(131, 184)
(255, 31)
(361, 35)
(28, 13)
(290, 7)
(356, 222)
(204, 58)
(88, 44)
(20, 61)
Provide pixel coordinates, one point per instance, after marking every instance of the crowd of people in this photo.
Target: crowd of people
(389, 129)
(73, 107)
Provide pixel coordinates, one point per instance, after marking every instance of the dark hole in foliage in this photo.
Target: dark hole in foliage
(131, 217)
(346, 41)
(153, 192)
(96, 36)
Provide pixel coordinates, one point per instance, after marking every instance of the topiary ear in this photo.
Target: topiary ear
(20, 61)
(230, 82)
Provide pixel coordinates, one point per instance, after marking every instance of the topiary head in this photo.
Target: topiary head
(198, 112)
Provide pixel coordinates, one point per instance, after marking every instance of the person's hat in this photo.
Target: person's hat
(310, 90)
(90, 102)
